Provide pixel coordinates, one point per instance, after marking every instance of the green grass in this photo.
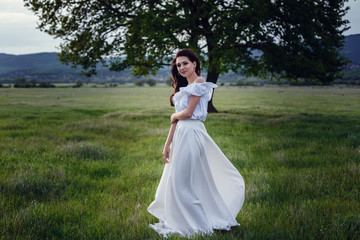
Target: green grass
(85, 163)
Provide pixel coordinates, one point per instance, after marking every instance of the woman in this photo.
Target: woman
(200, 190)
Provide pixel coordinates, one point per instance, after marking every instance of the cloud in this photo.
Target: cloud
(13, 6)
(16, 18)
(353, 15)
(19, 33)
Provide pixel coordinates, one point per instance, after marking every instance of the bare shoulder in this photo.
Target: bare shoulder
(200, 80)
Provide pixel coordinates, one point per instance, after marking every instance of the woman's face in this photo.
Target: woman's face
(184, 66)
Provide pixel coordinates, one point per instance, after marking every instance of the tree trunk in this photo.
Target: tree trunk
(211, 107)
(213, 69)
(212, 76)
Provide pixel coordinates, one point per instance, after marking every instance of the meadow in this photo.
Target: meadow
(84, 163)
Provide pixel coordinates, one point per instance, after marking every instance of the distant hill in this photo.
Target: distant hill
(36, 61)
(38, 65)
(46, 67)
(351, 51)
(351, 48)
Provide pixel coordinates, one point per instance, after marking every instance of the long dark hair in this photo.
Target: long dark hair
(179, 81)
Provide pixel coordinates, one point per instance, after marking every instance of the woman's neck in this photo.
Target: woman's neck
(191, 79)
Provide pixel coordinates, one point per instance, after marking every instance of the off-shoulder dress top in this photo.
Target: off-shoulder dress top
(181, 98)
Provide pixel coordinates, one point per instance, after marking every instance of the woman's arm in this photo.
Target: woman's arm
(193, 101)
(166, 151)
(187, 112)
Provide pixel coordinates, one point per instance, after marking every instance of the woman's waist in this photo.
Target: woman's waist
(196, 115)
(190, 121)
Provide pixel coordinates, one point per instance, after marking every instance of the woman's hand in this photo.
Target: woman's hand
(166, 153)
(173, 118)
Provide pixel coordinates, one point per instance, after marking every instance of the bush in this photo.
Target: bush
(33, 82)
(23, 83)
(78, 83)
(246, 83)
(151, 82)
(168, 82)
(46, 85)
(19, 82)
(139, 83)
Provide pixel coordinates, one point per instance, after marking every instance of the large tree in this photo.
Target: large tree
(289, 39)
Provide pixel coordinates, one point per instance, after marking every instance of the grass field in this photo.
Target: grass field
(85, 163)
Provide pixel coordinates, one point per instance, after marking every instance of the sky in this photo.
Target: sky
(19, 33)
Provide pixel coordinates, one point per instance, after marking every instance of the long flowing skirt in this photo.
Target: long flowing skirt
(200, 190)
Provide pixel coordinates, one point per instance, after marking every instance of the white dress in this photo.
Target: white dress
(200, 190)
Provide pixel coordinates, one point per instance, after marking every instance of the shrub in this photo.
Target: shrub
(151, 82)
(168, 81)
(19, 82)
(246, 83)
(46, 85)
(33, 82)
(139, 83)
(78, 83)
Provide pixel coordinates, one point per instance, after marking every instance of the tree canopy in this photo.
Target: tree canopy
(268, 38)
